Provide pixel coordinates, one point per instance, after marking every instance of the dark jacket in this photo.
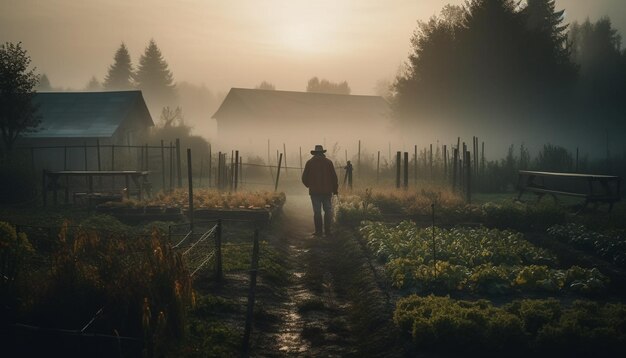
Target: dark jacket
(319, 175)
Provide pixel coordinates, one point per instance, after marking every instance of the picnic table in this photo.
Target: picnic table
(50, 180)
(593, 188)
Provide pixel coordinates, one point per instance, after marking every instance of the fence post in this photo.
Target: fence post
(231, 172)
(406, 170)
(171, 167)
(468, 181)
(300, 160)
(178, 164)
(98, 149)
(430, 161)
(285, 155)
(219, 171)
(254, 267)
(218, 251)
(415, 168)
(378, 168)
(455, 164)
(201, 169)
(210, 164)
(445, 162)
(236, 169)
(163, 165)
(280, 161)
(190, 181)
(141, 157)
(147, 167)
(398, 158)
(358, 159)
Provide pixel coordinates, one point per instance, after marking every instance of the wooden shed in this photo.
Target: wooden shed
(248, 116)
(71, 121)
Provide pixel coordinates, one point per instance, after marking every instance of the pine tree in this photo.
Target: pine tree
(549, 38)
(44, 84)
(120, 73)
(93, 85)
(154, 78)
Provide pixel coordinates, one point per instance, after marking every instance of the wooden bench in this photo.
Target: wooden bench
(605, 189)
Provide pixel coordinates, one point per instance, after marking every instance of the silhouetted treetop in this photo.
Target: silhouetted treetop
(487, 59)
(153, 76)
(93, 85)
(120, 73)
(266, 86)
(44, 83)
(325, 86)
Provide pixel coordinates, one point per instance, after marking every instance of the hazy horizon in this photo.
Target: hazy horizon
(236, 43)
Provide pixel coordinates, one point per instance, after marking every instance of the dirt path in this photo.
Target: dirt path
(332, 306)
(312, 320)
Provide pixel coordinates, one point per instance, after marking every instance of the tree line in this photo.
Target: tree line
(512, 65)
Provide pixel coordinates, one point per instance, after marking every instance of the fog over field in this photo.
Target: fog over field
(212, 46)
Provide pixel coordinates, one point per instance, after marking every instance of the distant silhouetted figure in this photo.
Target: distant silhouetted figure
(320, 177)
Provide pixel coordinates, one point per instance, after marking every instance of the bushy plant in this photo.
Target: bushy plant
(521, 328)
(353, 210)
(210, 198)
(15, 249)
(523, 216)
(140, 283)
(610, 246)
(485, 261)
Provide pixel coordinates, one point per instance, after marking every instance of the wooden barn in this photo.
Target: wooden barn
(73, 123)
(252, 116)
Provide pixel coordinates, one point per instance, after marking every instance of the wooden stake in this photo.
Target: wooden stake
(280, 160)
(190, 186)
(378, 168)
(398, 159)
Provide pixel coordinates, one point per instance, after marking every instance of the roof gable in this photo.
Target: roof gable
(87, 114)
(299, 105)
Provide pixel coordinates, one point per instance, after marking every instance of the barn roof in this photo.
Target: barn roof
(272, 104)
(87, 114)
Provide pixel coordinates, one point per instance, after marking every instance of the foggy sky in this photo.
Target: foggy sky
(236, 43)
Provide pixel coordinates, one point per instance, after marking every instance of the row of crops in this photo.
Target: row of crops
(485, 261)
(483, 288)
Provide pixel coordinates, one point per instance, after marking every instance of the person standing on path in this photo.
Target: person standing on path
(320, 177)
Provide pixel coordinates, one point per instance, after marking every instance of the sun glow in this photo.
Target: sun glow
(303, 26)
(304, 38)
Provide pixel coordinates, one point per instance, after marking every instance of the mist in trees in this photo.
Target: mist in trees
(266, 86)
(326, 86)
(601, 83)
(93, 85)
(506, 69)
(44, 84)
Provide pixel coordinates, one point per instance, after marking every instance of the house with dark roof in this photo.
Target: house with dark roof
(252, 116)
(70, 120)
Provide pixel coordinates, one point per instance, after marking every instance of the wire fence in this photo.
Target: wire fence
(201, 244)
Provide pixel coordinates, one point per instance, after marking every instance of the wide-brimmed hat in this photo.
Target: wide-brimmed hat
(318, 149)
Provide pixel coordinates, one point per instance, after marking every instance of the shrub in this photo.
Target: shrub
(14, 251)
(521, 328)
